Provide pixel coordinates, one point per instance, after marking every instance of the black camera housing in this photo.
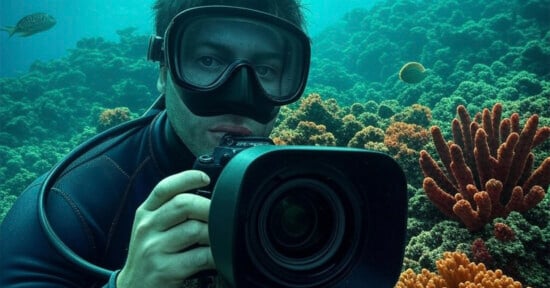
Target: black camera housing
(358, 226)
(213, 163)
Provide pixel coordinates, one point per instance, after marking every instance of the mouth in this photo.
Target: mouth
(231, 129)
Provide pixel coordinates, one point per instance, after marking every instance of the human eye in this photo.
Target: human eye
(209, 62)
(267, 71)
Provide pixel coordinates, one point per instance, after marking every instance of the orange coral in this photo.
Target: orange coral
(405, 138)
(456, 271)
(489, 167)
(426, 279)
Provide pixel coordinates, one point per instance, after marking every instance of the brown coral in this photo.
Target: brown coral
(488, 167)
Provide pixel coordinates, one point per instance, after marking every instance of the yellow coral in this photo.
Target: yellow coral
(307, 133)
(456, 271)
(112, 117)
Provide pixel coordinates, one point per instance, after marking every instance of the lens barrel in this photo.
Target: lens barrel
(300, 225)
(308, 217)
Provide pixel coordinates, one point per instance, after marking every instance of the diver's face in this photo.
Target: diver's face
(215, 45)
(202, 134)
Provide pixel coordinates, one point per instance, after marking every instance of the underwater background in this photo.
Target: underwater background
(485, 91)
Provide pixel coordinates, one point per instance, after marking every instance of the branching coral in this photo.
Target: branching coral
(489, 167)
(456, 271)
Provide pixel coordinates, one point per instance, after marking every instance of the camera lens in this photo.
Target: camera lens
(301, 224)
(295, 222)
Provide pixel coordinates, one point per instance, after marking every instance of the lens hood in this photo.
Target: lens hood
(309, 216)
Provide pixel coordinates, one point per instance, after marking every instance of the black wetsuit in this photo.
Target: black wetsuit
(91, 207)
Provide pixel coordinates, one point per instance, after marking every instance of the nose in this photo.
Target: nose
(242, 87)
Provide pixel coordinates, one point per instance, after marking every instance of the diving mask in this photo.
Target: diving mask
(227, 58)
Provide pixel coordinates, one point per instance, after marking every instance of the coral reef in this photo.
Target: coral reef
(52, 108)
(415, 114)
(404, 142)
(477, 54)
(307, 133)
(486, 177)
(319, 121)
(111, 117)
(525, 257)
(456, 271)
(503, 232)
(480, 252)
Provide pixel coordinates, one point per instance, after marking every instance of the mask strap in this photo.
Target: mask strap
(155, 51)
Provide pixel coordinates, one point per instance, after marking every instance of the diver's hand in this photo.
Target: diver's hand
(168, 222)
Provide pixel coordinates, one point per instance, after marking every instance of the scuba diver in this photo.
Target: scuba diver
(120, 200)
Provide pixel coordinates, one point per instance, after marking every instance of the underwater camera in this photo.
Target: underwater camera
(304, 216)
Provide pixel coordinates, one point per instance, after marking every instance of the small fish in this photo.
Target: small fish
(412, 72)
(31, 24)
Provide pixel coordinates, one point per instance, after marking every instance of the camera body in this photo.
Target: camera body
(213, 163)
(306, 216)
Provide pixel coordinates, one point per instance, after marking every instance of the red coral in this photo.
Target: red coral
(480, 253)
(503, 232)
(488, 167)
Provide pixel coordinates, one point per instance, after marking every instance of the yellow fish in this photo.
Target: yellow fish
(31, 24)
(412, 72)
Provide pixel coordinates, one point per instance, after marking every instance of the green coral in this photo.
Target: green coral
(426, 247)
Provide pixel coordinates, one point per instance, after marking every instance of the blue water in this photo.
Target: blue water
(77, 19)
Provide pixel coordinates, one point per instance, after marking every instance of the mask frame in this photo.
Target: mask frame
(164, 49)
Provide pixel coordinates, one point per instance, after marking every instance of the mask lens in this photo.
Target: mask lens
(208, 50)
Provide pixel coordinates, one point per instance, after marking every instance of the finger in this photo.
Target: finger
(185, 235)
(172, 185)
(180, 208)
(192, 261)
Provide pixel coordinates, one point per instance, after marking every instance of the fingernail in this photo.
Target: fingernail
(205, 178)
